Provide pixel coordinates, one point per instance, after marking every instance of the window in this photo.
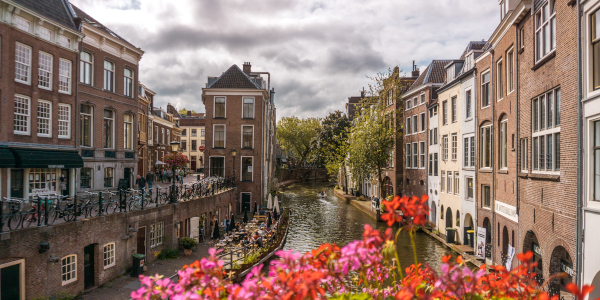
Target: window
(415, 126)
(44, 179)
(485, 90)
(246, 168)
(85, 121)
(472, 158)
(109, 129)
(184, 132)
(408, 122)
(435, 164)
(415, 102)
(64, 76)
(248, 108)
(85, 64)
(449, 183)
(546, 132)
(421, 154)
(85, 178)
(156, 133)
(430, 172)
(510, 70)
(445, 113)
(22, 111)
(443, 182)
(415, 155)
(454, 146)
(445, 147)
(64, 41)
(408, 102)
(456, 185)
(595, 41)
(128, 84)
(469, 187)
(44, 118)
(390, 100)
(466, 152)
(504, 144)
(109, 76)
(22, 63)
(408, 156)
(128, 131)
(109, 255)
(202, 143)
(21, 23)
(422, 98)
(435, 136)
(486, 196)
(44, 33)
(219, 107)
(156, 234)
(202, 132)
(457, 218)
(64, 121)
(109, 174)
(217, 166)
(524, 155)
(45, 71)
(184, 145)
(162, 135)
(468, 105)
(219, 136)
(485, 138)
(168, 136)
(596, 148)
(247, 137)
(194, 145)
(194, 132)
(522, 38)
(545, 30)
(454, 119)
(423, 123)
(69, 269)
(499, 84)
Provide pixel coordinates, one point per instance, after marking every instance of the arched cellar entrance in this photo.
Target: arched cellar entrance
(488, 237)
(469, 231)
(560, 261)
(530, 243)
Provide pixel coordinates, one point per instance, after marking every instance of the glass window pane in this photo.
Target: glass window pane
(557, 151)
(557, 108)
(549, 154)
(534, 156)
(597, 174)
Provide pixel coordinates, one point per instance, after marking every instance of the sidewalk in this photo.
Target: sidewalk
(122, 286)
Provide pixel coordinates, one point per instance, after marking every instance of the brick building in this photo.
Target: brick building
(240, 113)
(38, 134)
(193, 136)
(163, 133)
(143, 129)
(107, 106)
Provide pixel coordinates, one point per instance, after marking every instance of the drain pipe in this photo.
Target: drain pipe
(518, 137)
(493, 191)
(579, 252)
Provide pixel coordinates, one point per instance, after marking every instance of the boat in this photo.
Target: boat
(322, 195)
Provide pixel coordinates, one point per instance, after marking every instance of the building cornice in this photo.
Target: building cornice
(122, 47)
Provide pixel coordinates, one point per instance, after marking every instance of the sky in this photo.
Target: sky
(319, 53)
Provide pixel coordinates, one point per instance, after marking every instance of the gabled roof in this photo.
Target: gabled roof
(233, 78)
(56, 10)
(473, 45)
(434, 73)
(88, 19)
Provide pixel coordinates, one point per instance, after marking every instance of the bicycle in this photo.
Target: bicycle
(14, 217)
(137, 201)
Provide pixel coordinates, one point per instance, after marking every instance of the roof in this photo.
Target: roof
(233, 78)
(57, 10)
(434, 73)
(88, 19)
(473, 45)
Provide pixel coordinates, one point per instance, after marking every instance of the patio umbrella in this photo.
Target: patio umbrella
(275, 216)
(216, 235)
(255, 207)
(269, 202)
(245, 216)
(276, 205)
(232, 221)
(269, 222)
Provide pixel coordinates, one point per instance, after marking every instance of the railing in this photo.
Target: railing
(47, 210)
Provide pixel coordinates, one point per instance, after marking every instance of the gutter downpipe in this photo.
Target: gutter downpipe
(518, 138)
(579, 252)
(493, 104)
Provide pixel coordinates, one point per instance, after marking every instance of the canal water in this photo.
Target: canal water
(316, 221)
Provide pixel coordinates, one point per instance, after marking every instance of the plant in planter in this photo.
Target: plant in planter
(188, 244)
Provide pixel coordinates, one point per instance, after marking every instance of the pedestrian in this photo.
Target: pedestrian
(181, 173)
(63, 186)
(376, 203)
(232, 222)
(162, 175)
(141, 182)
(216, 235)
(150, 179)
(226, 224)
(169, 176)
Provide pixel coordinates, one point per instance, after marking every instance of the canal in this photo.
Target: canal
(330, 220)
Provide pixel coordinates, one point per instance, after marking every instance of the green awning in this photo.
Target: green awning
(7, 159)
(48, 159)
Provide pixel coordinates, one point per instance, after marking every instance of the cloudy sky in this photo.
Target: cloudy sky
(318, 52)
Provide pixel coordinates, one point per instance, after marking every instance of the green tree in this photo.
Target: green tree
(330, 144)
(184, 111)
(295, 136)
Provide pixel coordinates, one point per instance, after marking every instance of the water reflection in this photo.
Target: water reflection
(330, 220)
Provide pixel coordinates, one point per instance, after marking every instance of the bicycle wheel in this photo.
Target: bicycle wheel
(14, 221)
(29, 218)
(53, 214)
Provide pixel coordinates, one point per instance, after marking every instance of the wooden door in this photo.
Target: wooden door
(141, 240)
(10, 282)
(193, 168)
(194, 230)
(88, 266)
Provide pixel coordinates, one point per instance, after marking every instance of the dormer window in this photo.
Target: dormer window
(450, 73)
(503, 9)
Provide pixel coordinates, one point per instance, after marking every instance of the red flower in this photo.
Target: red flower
(579, 294)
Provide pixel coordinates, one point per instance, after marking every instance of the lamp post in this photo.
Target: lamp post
(233, 154)
(174, 149)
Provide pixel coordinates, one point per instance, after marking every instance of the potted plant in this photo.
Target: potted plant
(188, 244)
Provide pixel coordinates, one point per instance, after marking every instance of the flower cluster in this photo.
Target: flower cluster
(177, 160)
(363, 269)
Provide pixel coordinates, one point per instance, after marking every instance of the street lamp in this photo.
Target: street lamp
(174, 149)
(233, 154)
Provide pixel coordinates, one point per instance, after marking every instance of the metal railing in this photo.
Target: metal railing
(16, 213)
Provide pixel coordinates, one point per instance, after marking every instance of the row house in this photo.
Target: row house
(163, 133)
(193, 137)
(144, 128)
(240, 131)
(39, 46)
(107, 107)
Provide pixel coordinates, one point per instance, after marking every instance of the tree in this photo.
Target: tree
(331, 142)
(295, 136)
(184, 111)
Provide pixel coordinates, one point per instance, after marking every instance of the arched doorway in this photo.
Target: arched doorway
(469, 231)
(488, 237)
(504, 253)
(448, 218)
(389, 188)
(433, 214)
(560, 261)
(530, 243)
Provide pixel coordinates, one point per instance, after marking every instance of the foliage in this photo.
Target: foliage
(168, 253)
(64, 296)
(331, 141)
(235, 266)
(295, 136)
(176, 159)
(188, 243)
(184, 111)
(252, 258)
(363, 269)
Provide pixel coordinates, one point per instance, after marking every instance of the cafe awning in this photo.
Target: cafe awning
(48, 159)
(7, 159)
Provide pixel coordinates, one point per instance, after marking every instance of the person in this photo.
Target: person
(162, 175)
(226, 224)
(63, 186)
(181, 173)
(141, 182)
(376, 202)
(150, 179)
(169, 176)
(232, 222)
(216, 235)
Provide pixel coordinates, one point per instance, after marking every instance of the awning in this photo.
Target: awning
(48, 159)
(7, 159)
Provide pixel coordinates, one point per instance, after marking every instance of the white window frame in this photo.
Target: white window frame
(72, 263)
(27, 116)
(422, 97)
(215, 107)
(488, 83)
(456, 183)
(444, 112)
(483, 130)
(468, 104)
(242, 137)
(242, 169)
(548, 103)
(454, 104)
(422, 150)
(408, 156)
(202, 132)
(408, 103)
(131, 138)
(443, 182)
(472, 151)
(105, 71)
(112, 129)
(524, 155)
(108, 255)
(64, 122)
(415, 124)
(156, 234)
(454, 146)
(21, 23)
(90, 65)
(65, 73)
(224, 135)
(510, 72)
(467, 189)
(499, 83)
(445, 147)
(44, 33)
(423, 122)
(449, 186)
(27, 65)
(41, 70)
(91, 115)
(104, 176)
(466, 152)
(504, 144)
(64, 41)
(415, 155)
(243, 104)
(408, 126)
(550, 24)
(415, 102)
(125, 85)
(49, 118)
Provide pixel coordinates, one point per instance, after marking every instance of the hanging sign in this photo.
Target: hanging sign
(566, 267)
(509, 257)
(536, 249)
(481, 236)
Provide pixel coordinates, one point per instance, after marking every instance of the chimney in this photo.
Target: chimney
(362, 93)
(415, 72)
(189, 113)
(247, 68)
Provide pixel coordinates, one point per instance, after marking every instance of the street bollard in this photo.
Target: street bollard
(143, 195)
(39, 207)
(46, 212)
(99, 203)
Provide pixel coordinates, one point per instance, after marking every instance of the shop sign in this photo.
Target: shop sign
(566, 267)
(40, 192)
(56, 166)
(481, 236)
(536, 249)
